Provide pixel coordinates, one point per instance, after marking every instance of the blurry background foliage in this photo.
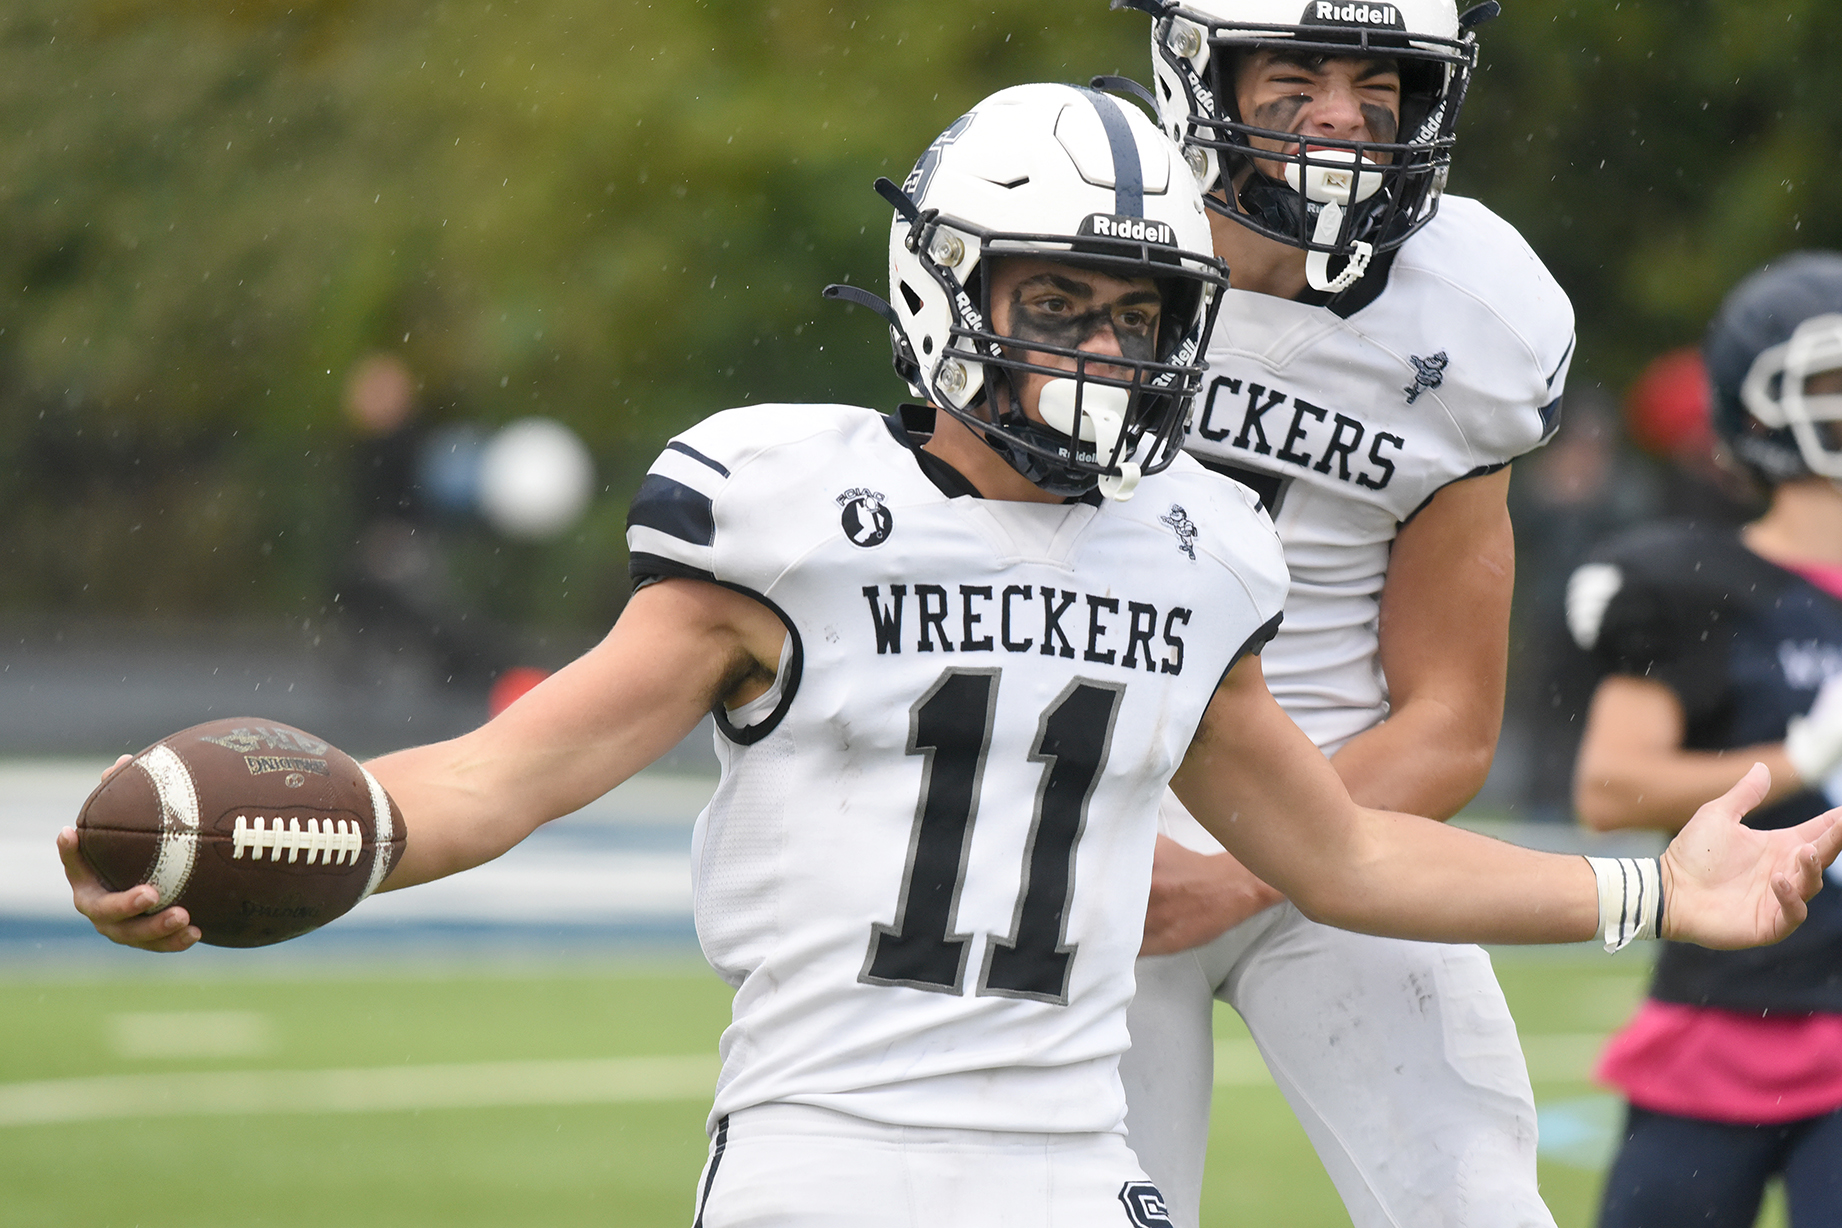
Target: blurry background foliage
(620, 215)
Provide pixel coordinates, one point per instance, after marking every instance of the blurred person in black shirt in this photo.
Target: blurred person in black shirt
(1716, 648)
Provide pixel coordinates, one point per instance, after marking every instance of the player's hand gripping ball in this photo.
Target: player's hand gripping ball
(259, 831)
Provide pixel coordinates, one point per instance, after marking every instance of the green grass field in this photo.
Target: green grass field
(409, 1097)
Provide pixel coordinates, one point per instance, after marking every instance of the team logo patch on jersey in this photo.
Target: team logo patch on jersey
(1427, 373)
(1185, 528)
(1144, 1205)
(866, 521)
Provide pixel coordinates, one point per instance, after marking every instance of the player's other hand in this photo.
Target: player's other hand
(122, 916)
(1196, 897)
(1726, 885)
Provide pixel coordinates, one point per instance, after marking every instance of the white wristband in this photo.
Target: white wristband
(1630, 899)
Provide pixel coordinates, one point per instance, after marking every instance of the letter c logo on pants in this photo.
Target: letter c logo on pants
(1144, 1205)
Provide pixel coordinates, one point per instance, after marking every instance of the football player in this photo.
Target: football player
(954, 655)
(1384, 353)
(1711, 642)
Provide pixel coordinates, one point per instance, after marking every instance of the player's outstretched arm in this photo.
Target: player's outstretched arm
(1254, 780)
(1444, 649)
(679, 647)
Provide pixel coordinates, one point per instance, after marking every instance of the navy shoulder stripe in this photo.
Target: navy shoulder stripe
(673, 509)
(644, 568)
(1550, 417)
(694, 454)
(1565, 355)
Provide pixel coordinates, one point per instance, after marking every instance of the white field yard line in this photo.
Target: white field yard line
(623, 1080)
(1553, 1057)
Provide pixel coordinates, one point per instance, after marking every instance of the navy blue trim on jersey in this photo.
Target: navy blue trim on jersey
(716, 1159)
(694, 454)
(795, 669)
(1128, 175)
(1550, 418)
(906, 424)
(648, 569)
(913, 425)
(1565, 355)
(1551, 412)
(1271, 487)
(1255, 642)
(1482, 471)
(644, 569)
(673, 509)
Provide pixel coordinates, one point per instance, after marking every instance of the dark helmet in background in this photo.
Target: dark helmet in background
(1774, 358)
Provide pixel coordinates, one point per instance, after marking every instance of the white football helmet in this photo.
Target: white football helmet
(1324, 204)
(1069, 174)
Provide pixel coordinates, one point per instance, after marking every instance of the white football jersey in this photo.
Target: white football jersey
(925, 868)
(1346, 427)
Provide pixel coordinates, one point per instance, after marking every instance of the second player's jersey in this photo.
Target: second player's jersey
(925, 868)
(1346, 424)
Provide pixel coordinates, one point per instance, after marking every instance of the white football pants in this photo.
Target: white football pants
(1399, 1058)
(799, 1166)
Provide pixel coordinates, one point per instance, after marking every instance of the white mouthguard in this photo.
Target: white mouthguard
(1102, 419)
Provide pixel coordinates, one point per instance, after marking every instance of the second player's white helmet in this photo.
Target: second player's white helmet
(1062, 173)
(1325, 204)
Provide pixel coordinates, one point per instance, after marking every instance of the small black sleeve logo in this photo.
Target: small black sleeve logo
(1185, 528)
(1144, 1205)
(866, 521)
(1427, 373)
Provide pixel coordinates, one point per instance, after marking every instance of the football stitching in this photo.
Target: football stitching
(329, 841)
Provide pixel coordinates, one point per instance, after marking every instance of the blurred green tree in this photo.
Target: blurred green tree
(617, 215)
(620, 215)
(1655, 151)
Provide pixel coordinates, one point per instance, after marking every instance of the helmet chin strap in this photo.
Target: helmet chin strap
(1333, 187)
(1100, 420)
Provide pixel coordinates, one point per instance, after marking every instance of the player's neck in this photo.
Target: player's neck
(1802, 525)
(955, 443)
(1256, 263)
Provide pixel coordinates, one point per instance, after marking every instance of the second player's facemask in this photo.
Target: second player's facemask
(1343, 201)
(1070, 176)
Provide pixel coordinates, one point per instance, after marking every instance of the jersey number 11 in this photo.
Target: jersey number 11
(951, 727)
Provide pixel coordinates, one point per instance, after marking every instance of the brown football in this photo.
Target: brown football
(261, 832)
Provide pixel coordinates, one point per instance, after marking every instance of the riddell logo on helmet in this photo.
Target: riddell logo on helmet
(1137, 229)
(1354, 14)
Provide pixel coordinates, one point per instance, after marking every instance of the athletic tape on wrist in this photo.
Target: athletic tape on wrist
(1630, 899)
